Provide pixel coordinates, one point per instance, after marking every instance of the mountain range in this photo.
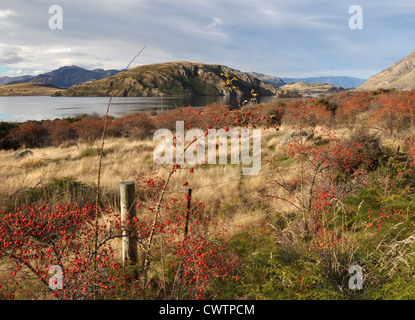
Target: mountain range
(172, 79)
(68, 76)
(187, 78)
(64, 77)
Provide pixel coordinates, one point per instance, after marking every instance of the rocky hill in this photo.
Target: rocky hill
(171, 79)
(400, 75)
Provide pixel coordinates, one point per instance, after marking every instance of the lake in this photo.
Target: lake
(20, 109)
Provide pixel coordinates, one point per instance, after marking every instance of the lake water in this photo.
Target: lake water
(48, 108)
(22, 109)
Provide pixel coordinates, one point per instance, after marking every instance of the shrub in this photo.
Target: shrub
(368, 144)
(88, 130)
(5, 128)
(32, 134)
(275, 111)
(139, 126)
(61, 131)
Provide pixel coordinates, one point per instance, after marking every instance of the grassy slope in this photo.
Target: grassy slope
(28, 89)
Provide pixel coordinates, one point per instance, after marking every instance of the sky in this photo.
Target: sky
(289, 38)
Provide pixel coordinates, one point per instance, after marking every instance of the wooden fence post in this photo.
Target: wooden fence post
(189, 201)
(128, 212)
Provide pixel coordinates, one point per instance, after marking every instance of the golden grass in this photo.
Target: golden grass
(124, 160)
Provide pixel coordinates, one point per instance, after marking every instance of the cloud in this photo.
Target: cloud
(4, 14)
(9, 54)
(268, 36)
(216, 22)
(57, 50)
(23, 72)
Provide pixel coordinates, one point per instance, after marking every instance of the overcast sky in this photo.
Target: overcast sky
(285, 38)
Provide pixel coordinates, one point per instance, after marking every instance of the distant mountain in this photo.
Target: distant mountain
(339, 81)
(64, 77)
(278, 82)
(400, 75)
(8, 80)
(171, 79)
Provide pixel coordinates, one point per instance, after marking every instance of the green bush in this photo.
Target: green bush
(90, 152)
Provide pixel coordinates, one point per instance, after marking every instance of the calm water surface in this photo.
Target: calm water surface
(48, 108)
(22, 109)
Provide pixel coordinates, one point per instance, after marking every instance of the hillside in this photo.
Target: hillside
(28, 89)
(310, 88)
(400, 75)
(171, 79)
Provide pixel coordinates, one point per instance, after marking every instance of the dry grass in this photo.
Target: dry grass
(230, 197)
(124, 160)
(223, 188)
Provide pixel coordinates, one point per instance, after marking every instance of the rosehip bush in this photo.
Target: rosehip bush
(65, 236)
